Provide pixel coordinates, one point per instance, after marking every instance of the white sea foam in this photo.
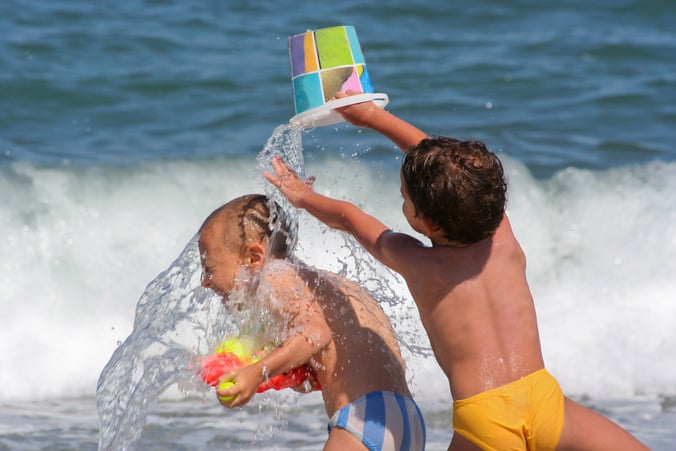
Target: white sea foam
(78, 246)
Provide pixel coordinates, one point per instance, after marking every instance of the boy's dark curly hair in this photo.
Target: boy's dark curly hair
(460, 185)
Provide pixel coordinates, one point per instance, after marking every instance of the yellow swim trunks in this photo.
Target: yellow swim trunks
(524, 414)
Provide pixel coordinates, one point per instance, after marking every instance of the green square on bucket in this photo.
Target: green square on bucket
(333, 47)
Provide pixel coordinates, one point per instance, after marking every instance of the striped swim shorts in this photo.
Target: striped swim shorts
(383, 420)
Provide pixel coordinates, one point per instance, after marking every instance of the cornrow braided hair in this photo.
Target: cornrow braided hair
(249, 218)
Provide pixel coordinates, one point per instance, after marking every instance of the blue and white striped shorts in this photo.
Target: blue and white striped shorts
(383, 420)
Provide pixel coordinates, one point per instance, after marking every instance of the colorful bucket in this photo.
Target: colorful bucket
(324, 62)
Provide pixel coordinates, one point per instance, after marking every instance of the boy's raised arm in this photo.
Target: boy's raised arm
(367, 114)
(335, 213)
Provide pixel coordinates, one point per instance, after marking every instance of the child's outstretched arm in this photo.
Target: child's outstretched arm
(373, 235)
(367, 114)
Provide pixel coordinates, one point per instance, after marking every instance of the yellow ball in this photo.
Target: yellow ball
(222, 386)
(242, 346)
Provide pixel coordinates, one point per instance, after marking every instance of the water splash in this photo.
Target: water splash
(176, 320)
(354, 262)
(389, 289)
(286, 143)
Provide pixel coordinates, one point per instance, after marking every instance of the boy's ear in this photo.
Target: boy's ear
(429, 226)
(255, 255)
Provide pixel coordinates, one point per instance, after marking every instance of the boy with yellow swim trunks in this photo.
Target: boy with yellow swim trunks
(327, 321)
(470, 288)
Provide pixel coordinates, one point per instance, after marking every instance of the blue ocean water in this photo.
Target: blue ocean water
(123, 124)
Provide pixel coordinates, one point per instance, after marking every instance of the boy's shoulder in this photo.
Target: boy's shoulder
(405, 253)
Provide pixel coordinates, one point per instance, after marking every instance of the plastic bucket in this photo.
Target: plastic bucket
(324, 62)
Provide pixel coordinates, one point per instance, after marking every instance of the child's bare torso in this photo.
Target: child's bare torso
(363, 355)
(478, 311)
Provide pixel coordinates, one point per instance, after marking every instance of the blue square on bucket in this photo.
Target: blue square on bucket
(307, 92)
(357, 54)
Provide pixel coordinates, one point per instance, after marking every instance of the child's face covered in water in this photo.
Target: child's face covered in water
(220, 265)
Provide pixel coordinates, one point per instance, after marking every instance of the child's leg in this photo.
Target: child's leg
(585, 429)
(341, 440)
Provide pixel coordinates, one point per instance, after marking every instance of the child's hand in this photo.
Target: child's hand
(288, 182)
(243, 385)
(359, 114)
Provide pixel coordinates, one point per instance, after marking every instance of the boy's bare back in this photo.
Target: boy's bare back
(476, 307)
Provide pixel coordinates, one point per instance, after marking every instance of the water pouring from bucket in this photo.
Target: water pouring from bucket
(324, 62)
